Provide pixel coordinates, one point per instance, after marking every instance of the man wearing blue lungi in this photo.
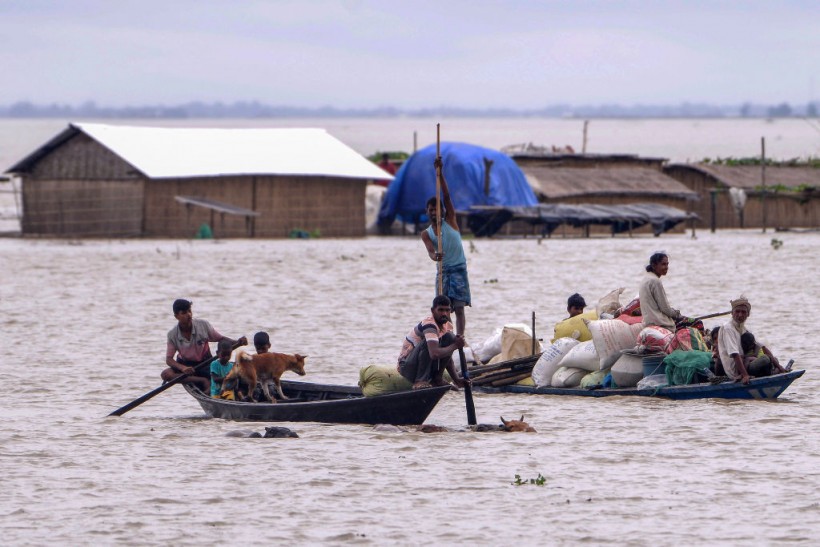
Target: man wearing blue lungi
(455, 283)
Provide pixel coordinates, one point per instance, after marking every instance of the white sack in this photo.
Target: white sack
(582, 356)
(568, 377)
(610, 336)
(550, 360)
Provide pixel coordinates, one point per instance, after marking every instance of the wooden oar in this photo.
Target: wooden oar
(137, 402)
(468, 390)
(440, 263)
(711, 315)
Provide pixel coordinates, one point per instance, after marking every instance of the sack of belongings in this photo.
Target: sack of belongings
(550, 360)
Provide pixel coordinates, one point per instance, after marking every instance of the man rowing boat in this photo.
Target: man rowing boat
(188, 341)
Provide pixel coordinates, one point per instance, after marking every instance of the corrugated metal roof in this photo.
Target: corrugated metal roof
(171, 152)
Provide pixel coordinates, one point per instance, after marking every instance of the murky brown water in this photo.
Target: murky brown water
(83, 328)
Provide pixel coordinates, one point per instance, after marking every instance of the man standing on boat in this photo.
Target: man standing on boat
(455, 284)
(730, 349)
(428, 348)
(188, 341)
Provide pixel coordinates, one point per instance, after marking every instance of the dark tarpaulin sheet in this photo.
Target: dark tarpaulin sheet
(464, 169)
(486, 221)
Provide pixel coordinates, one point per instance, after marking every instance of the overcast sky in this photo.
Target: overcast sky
(409, 54)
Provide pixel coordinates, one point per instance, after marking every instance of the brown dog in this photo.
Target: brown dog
(264, 367)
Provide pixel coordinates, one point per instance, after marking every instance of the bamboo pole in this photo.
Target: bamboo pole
(512, 380)
(763, 180)
(439, 263)
(505, 364)
(533, 333)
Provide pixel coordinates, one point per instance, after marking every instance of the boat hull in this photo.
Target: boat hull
(767, 388)
(326, 403)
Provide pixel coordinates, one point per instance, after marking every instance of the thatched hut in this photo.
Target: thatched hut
(94, 180)
(603, 180)
(792, 199)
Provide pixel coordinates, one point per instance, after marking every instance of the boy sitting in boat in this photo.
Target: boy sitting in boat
(261, 342)
(575, 305)
(716, 366)
(220, 367)
(755, 358)
(428, 348)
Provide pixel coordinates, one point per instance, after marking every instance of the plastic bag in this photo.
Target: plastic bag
(652, 382)
(610, 303)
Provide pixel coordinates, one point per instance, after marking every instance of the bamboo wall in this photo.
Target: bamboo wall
(82, 190)
(783, 210)
(324, 206)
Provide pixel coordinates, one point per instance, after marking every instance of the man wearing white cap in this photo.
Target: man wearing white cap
(731, 352)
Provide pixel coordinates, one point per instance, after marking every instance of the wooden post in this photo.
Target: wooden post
(533, 334)
(438, 210)
(763, 180)
(713, 192)
(488, 165)
(584, 144)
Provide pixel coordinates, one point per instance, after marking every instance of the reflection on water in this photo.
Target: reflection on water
(84, 330)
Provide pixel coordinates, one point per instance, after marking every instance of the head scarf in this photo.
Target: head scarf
(741, 301)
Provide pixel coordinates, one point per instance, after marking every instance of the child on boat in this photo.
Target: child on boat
(220, 367)
(261, 341)
(575, 305)
(717, 366)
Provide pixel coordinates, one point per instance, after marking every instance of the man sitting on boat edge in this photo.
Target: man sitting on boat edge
(730, 348)
(429, 346)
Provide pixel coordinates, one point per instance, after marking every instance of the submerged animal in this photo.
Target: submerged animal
(276, 432)
(513, 426)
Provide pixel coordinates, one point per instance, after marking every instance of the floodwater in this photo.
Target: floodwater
(83, 327)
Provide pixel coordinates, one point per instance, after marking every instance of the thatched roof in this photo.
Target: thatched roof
(564, 182)
(180, 152)
(749, 176)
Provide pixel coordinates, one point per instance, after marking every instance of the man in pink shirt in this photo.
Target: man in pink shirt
(188, 341)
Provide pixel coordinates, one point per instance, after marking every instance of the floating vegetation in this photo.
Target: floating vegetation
(540, 480)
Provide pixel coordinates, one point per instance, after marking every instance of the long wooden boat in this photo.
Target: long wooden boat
(766, 388)
(327, 403)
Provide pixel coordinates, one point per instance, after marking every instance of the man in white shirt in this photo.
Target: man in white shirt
(731, 350)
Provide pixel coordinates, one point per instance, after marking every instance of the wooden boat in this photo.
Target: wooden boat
(766, 388)
(335, 404)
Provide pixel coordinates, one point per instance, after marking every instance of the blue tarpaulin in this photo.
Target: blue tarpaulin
(464, 169)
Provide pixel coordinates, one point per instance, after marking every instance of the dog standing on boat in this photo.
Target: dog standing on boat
(262, 368)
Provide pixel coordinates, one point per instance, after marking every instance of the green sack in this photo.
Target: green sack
(378, 380)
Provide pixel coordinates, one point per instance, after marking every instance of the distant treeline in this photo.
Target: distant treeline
(255, 109)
